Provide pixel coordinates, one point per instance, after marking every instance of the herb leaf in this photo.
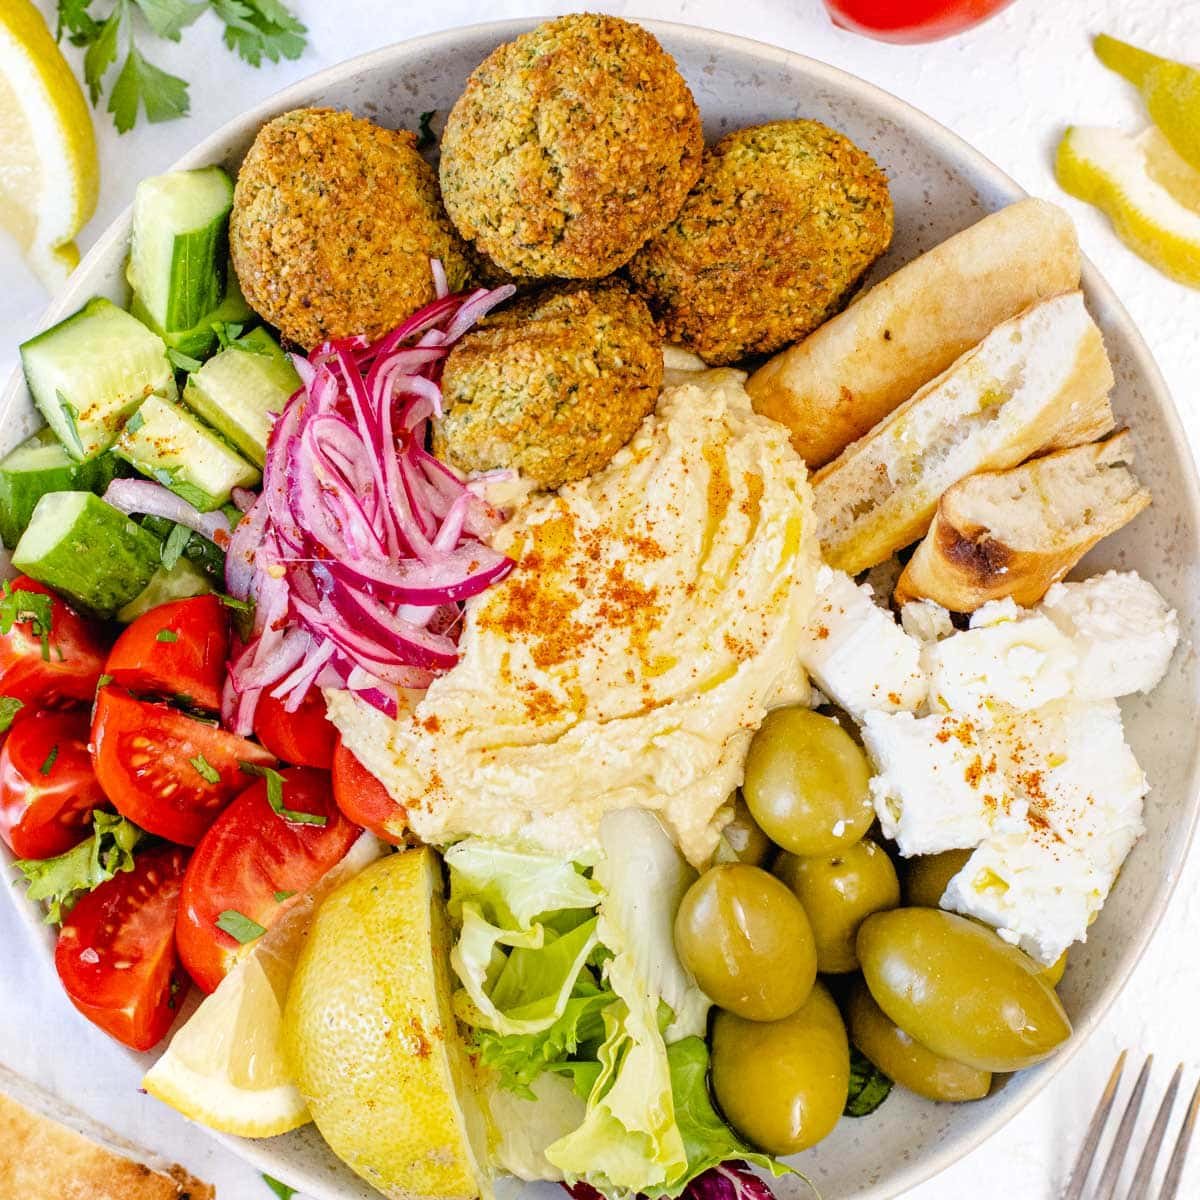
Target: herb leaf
(101, 44)
(174, 546)
(205, 769)
(181, 361)
(239, 926)
(51, 759)
(20, 606)
(161, 95)
(258, 29)
(280, 1189)
(869, 1086)
(280, 897)
(275, 797)
(9, 707)
(166, 635)
(60, 881)
(168, 18)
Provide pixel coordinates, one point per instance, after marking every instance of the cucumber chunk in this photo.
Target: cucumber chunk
(242, 389)
(40, 465)
(163, 440)
(181, 582)
(201, 340)
(89, 372)
(88, 551)
(180, 246)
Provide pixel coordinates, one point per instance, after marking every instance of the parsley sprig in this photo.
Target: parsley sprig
(254, 30)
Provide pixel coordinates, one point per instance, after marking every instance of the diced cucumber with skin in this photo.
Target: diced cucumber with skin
(201, 340)
(180, 245)
(241, 390)
(181, 582)
(89, 372)
(166, 442)
(88, 551)
(40, 465)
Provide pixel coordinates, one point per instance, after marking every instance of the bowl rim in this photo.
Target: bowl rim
(306, 90)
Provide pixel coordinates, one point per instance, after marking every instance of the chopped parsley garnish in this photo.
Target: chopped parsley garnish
(181, 361)
(205, 770)
(175, 545)
(51, 759)
(239, 926)
(34, 607)
(280, 897)
(425, 137)
(166, 635)
(254, 30)
(280, 1189)
(9, 707)
(275, 797)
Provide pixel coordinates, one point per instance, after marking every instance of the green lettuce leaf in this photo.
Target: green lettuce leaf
(60, 881)
(521, 1129)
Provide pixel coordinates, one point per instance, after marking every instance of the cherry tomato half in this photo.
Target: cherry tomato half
(364, 799)
(167, 772)
(47, 785)
(305, 738)
(68, 667)
(177, 651)
(253, 861)
(116, 953)
(911, 20)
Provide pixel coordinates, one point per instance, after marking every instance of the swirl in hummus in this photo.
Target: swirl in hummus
(653, 618)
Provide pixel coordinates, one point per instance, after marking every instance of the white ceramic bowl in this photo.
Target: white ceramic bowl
(939, 185)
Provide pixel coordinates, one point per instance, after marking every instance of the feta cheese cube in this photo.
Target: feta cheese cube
(1008, 656)
(1124, 632)
(938, 785)
(926, 621)
(856, 652)
(1038, 892)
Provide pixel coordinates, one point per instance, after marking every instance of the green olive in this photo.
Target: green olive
(838, 892)
(1056, 970)
(782, 1084)
(742, 840)
(907, 1062)
(926, 877)
(746, 939)
(958, 989)
(806, 783)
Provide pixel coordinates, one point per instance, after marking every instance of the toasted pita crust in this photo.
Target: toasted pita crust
(858, 367)
(49, 1151)
(1015, 533)
(1011, 396)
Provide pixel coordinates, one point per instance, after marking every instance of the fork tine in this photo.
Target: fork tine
(1120, 1147)
(1139, 1189)
(1174, 1173)
(1087, 1152)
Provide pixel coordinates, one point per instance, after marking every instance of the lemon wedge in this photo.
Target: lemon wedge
(1149, 192)
(371, 1037)
(49, 172)
(225, 1068)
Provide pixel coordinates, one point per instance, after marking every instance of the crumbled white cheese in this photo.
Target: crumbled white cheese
(1008, 656)
(857, 654)
(1123, 630)
(937, 784)
(926, 620)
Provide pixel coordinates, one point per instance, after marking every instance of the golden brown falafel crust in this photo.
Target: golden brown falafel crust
(570, 147)
(784, 221)
(334, 222)
(553, 385)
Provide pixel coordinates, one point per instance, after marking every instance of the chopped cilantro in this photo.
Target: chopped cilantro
(22, 606)
(275, 797)
(239, 926)
(51, 759)
(9, 707)
(166, 635)
(205, 770)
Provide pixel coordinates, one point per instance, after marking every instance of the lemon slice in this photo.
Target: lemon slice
(372, 1039)
(49, 173)
(1150, 193)
(225, 1068)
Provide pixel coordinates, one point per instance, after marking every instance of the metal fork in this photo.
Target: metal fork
(1139, 1187)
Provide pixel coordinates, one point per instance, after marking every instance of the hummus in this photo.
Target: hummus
(653, 618)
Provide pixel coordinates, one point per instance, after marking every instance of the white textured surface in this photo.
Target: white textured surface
(1008, 88)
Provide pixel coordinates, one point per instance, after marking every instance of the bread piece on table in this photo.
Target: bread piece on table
(1015, 533)
(1027, 382)
(49, 1151)
(856, 368)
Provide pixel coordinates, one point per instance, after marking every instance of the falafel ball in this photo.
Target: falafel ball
(334, 222)
(570, 147)
(784, 221)
(553, 385)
